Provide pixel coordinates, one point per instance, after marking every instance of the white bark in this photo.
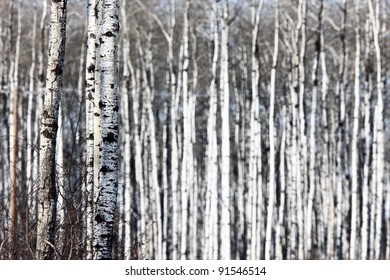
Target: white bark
(127, 85)
(49, 124)
(210, 226)
(355, 151)
(312, 140)
(14, 124)
(365, 187)
(186, 159)
(108, 104)
(272, 179)
(255, 180)
(378, 125)
(225, 134)
(89, 126)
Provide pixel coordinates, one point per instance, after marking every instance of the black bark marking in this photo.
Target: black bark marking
(91, 68)
(102, 105)
(99, 218)
(109, 34)
(90, 136)
(57, 70)
(105, 169)
(47, 134)
(110, 138)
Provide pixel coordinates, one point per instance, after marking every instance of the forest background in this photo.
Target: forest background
(240, 129)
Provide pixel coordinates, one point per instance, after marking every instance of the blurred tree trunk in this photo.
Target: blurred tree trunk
(210, 249)
(14, 123)
(254, 196)
(355, 149)
(271, 124)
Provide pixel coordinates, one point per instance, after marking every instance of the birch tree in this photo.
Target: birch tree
(225, 145)
(89, 125)
(14, 123)
(355, 148)
(108, 104)
(271, 186)
(49, 124)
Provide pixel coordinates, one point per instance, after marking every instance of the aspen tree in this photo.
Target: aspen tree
(326, 186)
(153, 151)
(210, 228)
(33, 190)
(186, 159)
(279, 226)
(271, 124)
(193, 174)
(312, 140)
(225, 145)
(365, 229)
(108, 105)
(14, 123)
(294, 193)
(255, 180)
(127, 86)
(32, 99)
(378, 125)
(60, 184)
(355, 148)
(49, 124)
(341, 136)
(90, 93)
(302, 172)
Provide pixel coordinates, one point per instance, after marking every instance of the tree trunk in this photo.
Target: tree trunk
(47, 209)
(108, 104)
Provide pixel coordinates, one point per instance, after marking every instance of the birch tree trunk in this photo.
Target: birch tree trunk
(378, 125)
(355, 149)
(225, 145)
(186, 159)
(272, 179)
(340, 172)
(32, 99)
(365, 232)
(108, 104)
(47, 209)
(255, 180)
(14, 123)
(312, 140)
(89, 126)
(210, 227)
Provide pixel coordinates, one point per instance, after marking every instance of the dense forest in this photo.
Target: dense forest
(194, 129)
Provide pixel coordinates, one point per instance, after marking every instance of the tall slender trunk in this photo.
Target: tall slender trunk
(271, 124)
(225, 144)
(89, 126)
(108, 104)
(255, 181)
(210, 226)
(355, 150)
(378, 125)
(47, 209)
(340, 172)
(365, 229)
(186, 159)
(14, 139)
(312, 140)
